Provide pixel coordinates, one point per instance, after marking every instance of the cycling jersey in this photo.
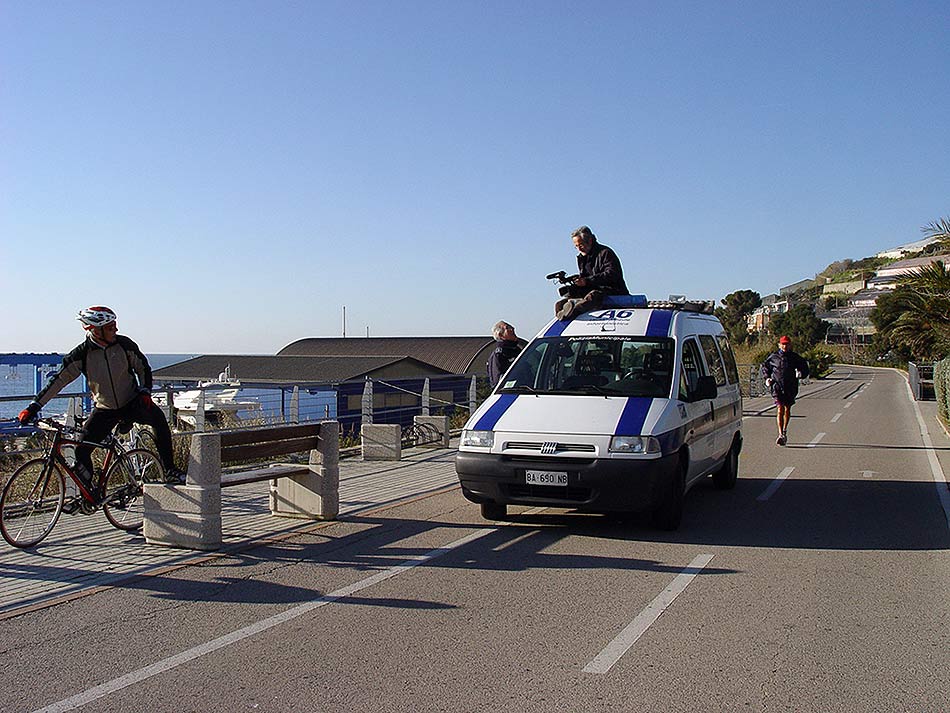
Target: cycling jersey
(115, 372)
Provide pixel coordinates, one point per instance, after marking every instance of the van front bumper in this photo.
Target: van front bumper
(597, 485)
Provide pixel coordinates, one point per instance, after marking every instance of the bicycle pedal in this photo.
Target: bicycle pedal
(71, 506)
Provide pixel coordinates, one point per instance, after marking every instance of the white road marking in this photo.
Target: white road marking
(605, 660)
(940, 479)
(835, 418)
(775, 484)
(848, 405)
(867, 473)
(814, 441)
(130, 679)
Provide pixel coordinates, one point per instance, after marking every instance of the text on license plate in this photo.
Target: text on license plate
(545, 477)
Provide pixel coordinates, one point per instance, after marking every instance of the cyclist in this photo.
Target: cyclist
(120, 380)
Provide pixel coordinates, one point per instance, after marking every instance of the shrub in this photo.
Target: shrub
(942, 388)
(819, 361)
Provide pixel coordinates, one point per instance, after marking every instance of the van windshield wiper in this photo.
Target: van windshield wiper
(521, 387)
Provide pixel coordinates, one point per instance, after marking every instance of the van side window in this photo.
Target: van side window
(713, 360)
(728, 356)
(692, 369)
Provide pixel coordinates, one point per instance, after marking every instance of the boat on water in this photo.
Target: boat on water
(218, 400)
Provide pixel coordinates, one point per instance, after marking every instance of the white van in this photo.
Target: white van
(621, 409)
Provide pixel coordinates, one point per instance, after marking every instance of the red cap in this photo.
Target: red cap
(784, 340)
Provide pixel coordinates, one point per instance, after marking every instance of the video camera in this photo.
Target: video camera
(565, 280)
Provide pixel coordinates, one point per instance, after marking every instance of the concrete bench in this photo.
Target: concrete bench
(189, 515)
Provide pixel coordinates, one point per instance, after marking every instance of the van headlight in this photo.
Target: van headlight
(634, 444)
(478, 439)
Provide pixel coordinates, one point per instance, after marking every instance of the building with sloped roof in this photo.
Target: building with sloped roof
(456, 355)
(338, 367)
(298, 369)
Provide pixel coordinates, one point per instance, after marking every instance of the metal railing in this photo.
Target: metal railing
(192, 410)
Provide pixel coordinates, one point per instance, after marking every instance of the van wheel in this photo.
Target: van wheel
(725, 477)
(494, 511)
(670, 512)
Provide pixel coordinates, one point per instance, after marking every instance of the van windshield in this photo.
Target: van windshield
(610, 366)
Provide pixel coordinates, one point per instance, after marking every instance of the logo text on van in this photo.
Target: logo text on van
(609, 314)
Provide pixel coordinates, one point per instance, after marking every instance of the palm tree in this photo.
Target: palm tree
(925, 322)
(939, 229)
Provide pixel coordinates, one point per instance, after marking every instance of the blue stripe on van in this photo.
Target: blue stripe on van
(659, 325)
(490, 418)
(633, 416)
(557, 328)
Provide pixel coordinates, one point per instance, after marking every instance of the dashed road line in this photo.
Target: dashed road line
(814, 441)
(612, 653)
(775, 484)
(835, 418)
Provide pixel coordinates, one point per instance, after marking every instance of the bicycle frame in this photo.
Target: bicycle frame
(111, 445)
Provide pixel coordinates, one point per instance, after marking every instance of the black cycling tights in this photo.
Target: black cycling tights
(101, 422)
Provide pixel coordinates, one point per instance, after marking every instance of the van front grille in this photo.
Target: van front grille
(550, 448)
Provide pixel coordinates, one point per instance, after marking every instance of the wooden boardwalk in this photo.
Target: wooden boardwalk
(85, 552)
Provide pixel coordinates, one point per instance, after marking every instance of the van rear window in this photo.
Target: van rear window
(611, 366)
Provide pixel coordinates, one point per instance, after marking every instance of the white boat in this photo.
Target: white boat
(217, 398)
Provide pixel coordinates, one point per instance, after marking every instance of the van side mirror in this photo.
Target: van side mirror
(705, 389)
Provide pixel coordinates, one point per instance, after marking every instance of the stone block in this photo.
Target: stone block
(440, 424)
(191, 531)
(381, 441)
(314, 495)
(181, 499)
(204, 460)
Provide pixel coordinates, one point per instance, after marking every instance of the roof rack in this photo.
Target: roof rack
(701, 306)
(677, 302)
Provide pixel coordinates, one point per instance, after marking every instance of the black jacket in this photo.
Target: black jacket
(500, 359)
(601, 268)
(781, 366)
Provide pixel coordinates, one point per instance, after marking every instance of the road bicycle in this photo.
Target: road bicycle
(35, 495)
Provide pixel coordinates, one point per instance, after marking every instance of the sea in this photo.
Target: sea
(20, 381)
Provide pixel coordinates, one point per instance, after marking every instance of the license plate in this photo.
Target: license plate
(545, 477)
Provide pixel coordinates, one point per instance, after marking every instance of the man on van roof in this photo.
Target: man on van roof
(600, 274)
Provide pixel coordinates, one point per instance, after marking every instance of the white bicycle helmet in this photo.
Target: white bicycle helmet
(96, 316)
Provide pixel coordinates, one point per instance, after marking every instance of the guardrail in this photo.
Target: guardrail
(921, 378)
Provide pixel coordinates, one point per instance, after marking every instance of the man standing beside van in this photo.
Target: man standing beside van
(600, 274)
(782, 370)
(506, 349)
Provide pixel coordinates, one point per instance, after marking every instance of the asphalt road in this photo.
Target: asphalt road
(821, 583)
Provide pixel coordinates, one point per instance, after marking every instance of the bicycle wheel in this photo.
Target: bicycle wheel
(31, 502)
(124, 506)
(145, 439)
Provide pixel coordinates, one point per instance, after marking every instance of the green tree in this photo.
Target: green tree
(737, 307)
(801, 324)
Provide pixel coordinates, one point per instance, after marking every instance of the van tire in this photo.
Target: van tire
(669, 514)
(494, 511)
(725, 477)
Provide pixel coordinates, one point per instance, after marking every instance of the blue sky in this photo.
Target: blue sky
(228, 175)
